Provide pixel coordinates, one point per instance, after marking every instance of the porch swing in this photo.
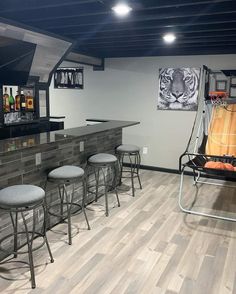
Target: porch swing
(213, 138)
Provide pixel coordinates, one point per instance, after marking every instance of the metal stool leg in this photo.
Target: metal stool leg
(96, 173)
(15, 229)
(115, 184)
(61, 195)
(46, 206)
(105, 191)
(30, 245)
(68, 205)
(138, 166)
(121, 162)
(117, 197)
(45, 229)
(83, 202)
(132, 174)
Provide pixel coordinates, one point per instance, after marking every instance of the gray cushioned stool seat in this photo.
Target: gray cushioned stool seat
(66, 172)
(102, 158)
(21, 196)
(127, 148)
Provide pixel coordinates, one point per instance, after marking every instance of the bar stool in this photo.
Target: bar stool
(133, 153)
(64, 176)
(107, 165)
(21, 199)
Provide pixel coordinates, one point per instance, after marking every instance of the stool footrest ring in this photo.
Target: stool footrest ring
(36, 235)
(66, 213)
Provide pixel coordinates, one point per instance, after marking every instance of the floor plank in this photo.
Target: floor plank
(145, 246)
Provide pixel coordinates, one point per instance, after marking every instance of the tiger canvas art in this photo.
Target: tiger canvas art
(178, 88)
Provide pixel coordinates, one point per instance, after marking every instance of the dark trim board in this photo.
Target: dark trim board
(157, 168)
(176, 171)
(161, 169)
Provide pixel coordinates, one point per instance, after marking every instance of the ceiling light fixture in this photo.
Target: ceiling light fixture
(121, 9)
(169, 38)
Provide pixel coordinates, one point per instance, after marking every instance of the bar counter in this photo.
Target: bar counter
(20, 143)
(28, 159)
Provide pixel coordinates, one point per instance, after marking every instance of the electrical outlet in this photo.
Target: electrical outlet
(145, 150)
(38, 159)
(81, 146)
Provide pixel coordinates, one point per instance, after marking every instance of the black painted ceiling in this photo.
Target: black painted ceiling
(201, 26)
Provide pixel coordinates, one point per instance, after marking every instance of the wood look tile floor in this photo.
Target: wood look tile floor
(146, 246)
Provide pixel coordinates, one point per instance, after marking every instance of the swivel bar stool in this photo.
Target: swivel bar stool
(64, 176)
(106, 165)
(131, 152)
(20, 200)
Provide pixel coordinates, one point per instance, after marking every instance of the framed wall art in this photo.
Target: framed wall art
(178, 88)
(69, 78)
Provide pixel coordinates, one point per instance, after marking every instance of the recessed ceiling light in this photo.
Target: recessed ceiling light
(169, 38)
(121, 9)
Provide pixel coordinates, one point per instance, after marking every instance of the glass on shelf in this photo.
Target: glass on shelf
(18, 117)
(12, 117)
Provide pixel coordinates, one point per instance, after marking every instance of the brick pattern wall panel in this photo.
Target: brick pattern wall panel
(18, 167)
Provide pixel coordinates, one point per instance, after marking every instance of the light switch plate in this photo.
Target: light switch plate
(38, 159)
(145, 150)
(81, 146)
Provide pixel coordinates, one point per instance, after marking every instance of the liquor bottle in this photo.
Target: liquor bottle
(6, 104)
(17, 102)
(29, 100)
(11, 101)
(22, 101)
(4, 100)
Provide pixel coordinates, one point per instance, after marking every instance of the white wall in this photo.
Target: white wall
(128, 90)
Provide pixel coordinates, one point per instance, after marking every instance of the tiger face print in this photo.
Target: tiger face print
(178, 88)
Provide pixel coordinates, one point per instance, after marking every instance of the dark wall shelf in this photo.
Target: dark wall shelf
(27, 122)
(22, 123)
(29, 128)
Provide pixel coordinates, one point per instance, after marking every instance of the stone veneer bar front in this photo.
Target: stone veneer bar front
(18, 159)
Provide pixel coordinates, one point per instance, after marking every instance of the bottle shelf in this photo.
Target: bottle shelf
(30, 105)
(18, 111)
(23, 122)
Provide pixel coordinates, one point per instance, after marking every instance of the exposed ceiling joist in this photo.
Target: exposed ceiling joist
(153, 37)
(203, 26)
(31, 5)
(12, 6)
(182, 39)
(166, 27)
(147, 18)
(104, 12)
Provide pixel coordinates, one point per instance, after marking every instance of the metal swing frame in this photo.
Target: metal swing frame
(198, 171)
(197, 181)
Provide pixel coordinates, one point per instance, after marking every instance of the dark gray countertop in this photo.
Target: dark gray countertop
(19, 143)
(96, 128)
